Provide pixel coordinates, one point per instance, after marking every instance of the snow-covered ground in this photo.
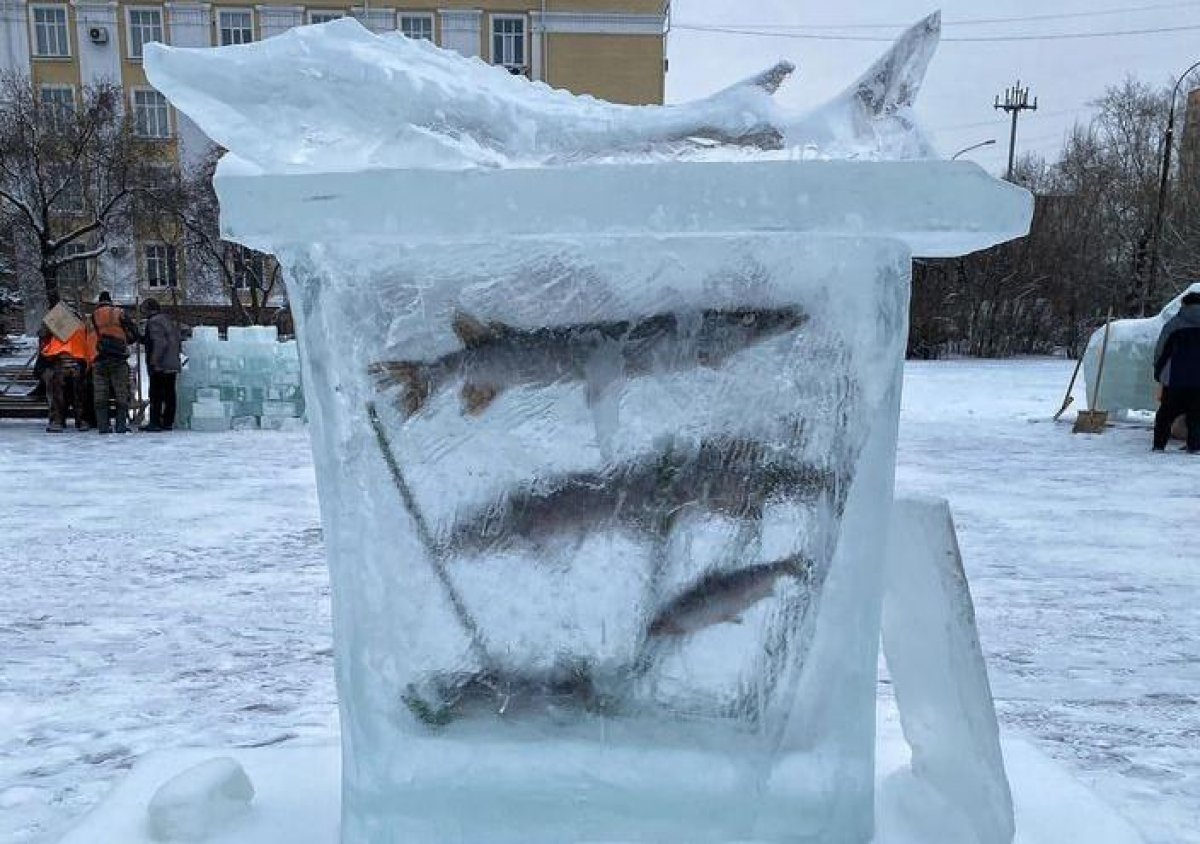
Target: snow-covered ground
(158, 591)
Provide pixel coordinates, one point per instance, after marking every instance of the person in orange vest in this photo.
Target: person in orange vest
(65, 375)
(110, 373)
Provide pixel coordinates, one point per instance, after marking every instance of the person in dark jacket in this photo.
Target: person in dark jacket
(163, 363)
(110, 373)
(1177, 368)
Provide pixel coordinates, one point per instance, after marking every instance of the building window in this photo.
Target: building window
(508, 42)
(50, 37)
(59, 104)
(151, 114)
(144, 26)
(322, 16)
(249, 269)
(75, 273)
(236, 26)
(160, 265)
(417, 26)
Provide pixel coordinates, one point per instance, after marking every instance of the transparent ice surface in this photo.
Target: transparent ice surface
(586, 505)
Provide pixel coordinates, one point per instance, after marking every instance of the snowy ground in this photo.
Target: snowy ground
(158, 591)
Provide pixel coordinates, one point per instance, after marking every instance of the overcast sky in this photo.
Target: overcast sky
(965, 77)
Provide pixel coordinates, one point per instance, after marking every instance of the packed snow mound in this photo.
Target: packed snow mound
(337, 98)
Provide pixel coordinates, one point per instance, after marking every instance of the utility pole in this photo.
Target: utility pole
(1016, 100)
(1149, 290)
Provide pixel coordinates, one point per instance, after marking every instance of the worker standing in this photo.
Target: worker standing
(64, 373)
(163, 362)
(1177, 368)
(110, 373)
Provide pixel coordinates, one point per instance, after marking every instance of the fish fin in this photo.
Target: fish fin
(471, 331)
(771, 79)
(476, 398)
(894, 81)
(407, 374)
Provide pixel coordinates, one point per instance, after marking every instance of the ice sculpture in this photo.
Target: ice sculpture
(604, 449)
(1128, 379)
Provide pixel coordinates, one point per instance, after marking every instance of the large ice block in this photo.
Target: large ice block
(605, 511)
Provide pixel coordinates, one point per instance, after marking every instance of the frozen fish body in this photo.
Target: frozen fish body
(336, 97)
(722, 597)
(726, 475)
(496, 356)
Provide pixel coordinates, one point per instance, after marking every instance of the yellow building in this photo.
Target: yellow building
(612, 49)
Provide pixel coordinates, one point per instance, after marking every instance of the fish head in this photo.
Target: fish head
(727, 332)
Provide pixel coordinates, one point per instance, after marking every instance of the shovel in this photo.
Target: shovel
(1093, 421)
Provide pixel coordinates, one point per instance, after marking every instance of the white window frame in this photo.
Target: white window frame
(170, 261)
(133, 101)
(221, 16)
(524, 21)
(59, 117)
(33, 30)
(426, 17)
(327, 14)
(136, 55)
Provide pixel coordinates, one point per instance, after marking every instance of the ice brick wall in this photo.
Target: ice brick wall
(249, 380)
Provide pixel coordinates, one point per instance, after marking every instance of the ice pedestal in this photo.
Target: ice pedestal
(605, 459)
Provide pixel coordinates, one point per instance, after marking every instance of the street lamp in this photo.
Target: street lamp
(1156, 237)
(986, 143)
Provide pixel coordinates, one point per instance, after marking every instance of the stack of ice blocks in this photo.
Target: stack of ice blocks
(249, 380)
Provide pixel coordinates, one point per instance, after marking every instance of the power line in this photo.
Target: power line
(984, 123)
(1073, 36)
(975, 21)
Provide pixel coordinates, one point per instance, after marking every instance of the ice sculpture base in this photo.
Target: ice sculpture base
(296, 799)
(515, 792)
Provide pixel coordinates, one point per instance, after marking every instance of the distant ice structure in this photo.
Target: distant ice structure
(249, 380)
(604, 423)
(1128, 380)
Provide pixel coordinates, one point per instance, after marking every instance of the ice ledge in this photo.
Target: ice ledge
(297, 799)
(938, 208)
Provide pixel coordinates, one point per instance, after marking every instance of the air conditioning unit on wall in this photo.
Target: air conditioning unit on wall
(98, 34)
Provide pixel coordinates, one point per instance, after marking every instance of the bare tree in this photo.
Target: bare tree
(67, 173)
(1087, 250)
(185, 209)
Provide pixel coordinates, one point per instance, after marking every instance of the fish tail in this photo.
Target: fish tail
(412, 377)
(797, 566)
